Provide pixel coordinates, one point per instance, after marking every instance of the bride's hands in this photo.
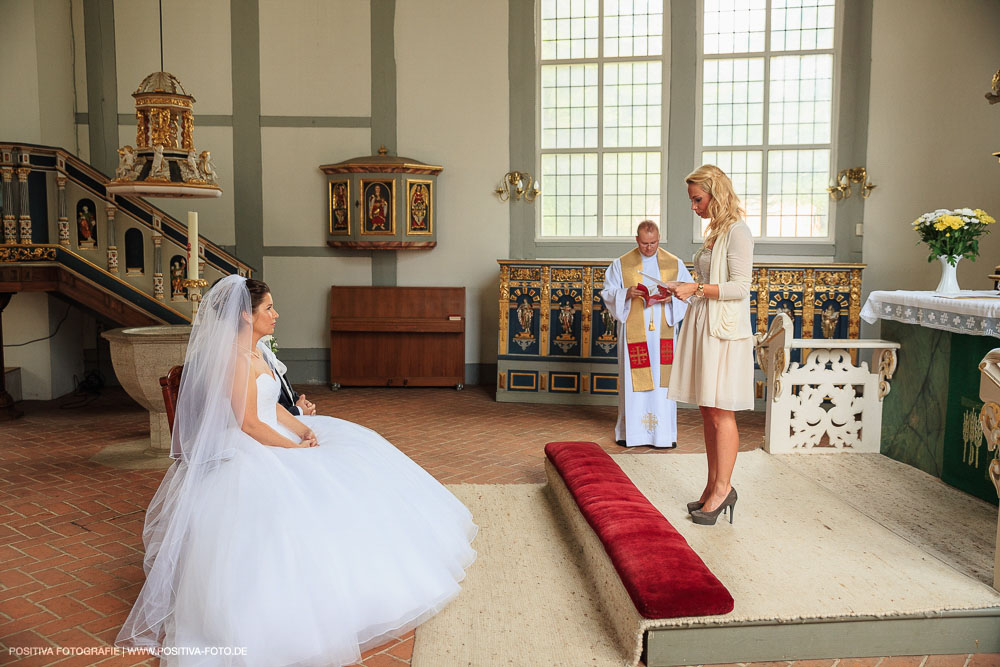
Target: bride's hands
(308, 439)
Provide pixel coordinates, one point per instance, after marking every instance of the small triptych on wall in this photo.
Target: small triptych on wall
(419, 213)
(340, 208)
(378, 199)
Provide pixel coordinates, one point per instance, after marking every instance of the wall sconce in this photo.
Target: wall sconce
(842, 190)
(519, 184)
(994, 96)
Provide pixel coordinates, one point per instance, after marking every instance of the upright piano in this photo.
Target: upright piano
(397, 336)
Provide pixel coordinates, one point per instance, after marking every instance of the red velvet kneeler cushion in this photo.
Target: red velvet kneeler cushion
(661, 572)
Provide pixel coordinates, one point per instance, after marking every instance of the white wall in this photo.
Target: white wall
(37, 74)
(196, 49)
(54, 48)
(931, 133)
(315, 58)
(19, 118)
(48, 366)
(26, 318)
(452, 110)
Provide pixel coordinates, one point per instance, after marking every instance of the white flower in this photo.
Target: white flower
(965, 211)
(908, 312)
(931, 317)
(957, 320)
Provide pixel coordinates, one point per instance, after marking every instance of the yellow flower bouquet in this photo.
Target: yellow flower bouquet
(953, 233)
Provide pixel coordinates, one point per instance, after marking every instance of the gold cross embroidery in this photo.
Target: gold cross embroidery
(650, 421)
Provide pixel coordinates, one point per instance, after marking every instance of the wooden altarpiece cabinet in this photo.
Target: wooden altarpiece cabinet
(397, 336)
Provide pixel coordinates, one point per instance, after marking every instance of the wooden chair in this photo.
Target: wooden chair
(170, 385)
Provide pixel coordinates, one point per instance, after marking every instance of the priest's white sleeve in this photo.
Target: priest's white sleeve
(614, 292)
(675, 308)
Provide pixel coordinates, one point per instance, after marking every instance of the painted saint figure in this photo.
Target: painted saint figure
(339, 207)
(178, 270)
(419, 208)
(86, 224)
(378, 209)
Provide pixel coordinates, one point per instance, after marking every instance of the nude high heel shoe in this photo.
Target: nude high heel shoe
(709, 518)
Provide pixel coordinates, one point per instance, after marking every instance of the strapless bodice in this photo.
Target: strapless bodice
(268, 390)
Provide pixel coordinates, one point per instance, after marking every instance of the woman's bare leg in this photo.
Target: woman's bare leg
(710, 451)
(726, 445)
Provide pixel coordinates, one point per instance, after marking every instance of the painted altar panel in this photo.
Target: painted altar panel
(558, 343)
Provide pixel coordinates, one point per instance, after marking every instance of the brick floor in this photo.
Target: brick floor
(70, 529)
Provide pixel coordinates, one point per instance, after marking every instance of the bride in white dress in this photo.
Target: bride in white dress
(280, 540)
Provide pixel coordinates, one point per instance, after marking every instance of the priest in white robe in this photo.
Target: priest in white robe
(646, 416)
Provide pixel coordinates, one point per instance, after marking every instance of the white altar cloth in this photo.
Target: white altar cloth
(973, 312)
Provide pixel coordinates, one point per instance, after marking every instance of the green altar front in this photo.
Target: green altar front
(930, 419)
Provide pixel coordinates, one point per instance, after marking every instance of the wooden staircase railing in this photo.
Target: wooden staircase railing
(73, 246)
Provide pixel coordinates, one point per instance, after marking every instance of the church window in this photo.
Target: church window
(602, 105)
(766, 85)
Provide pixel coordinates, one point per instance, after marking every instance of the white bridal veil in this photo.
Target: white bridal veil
(209, 414)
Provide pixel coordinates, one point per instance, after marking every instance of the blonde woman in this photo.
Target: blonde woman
(713, 362)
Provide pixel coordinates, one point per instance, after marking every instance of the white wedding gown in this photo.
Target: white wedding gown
(310, 556)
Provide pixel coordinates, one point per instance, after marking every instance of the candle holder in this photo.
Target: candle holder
(194, 287)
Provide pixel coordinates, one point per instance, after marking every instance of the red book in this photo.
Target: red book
(650, 299)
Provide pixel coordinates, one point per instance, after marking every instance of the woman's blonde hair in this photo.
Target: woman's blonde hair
(724, 209)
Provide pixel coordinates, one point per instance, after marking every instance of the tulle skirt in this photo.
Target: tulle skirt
(311, 556)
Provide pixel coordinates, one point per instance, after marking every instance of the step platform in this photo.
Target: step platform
(810, 575)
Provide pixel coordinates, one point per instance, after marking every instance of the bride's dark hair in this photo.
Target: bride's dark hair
(258, 290)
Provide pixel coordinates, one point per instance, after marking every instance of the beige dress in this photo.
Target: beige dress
(709, 371)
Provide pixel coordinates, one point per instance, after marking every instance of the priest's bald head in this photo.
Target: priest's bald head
(647, 237)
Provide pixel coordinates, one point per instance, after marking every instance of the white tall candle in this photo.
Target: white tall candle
(192, 245)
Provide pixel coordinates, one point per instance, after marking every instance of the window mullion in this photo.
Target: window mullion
(766, 130)
(699, 112)
(600, 119)
(665, 80)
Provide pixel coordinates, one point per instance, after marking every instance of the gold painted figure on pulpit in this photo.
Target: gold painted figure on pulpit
(524, 316)
(828, 320)
(566, 320)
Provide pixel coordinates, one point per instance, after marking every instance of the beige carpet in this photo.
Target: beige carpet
(796, 551)
(526, 600)
(958, 528)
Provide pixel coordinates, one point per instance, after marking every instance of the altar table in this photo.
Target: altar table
(931, 418)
